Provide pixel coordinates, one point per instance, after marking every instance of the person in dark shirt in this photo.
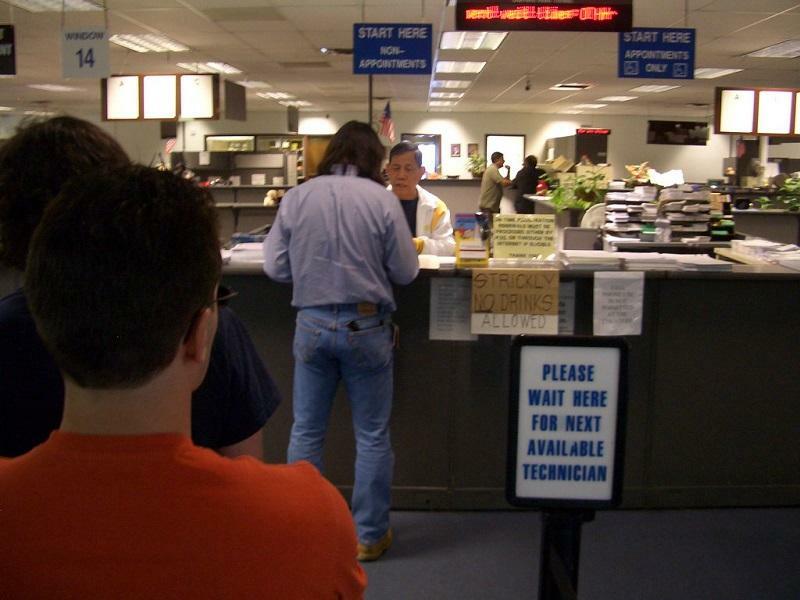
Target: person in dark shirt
(526, 182)
(237, 396)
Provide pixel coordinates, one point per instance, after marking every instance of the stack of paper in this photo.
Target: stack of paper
(701, 262)
(249, 252)
(590, 260)
(648, 261)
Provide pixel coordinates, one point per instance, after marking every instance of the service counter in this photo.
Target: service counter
(714, 393)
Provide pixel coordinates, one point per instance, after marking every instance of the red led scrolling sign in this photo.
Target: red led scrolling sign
(533, 16)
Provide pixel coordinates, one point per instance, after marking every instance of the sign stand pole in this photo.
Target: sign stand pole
(370, 100)
(560, 553)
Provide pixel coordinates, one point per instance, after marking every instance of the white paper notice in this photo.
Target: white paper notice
(618, 302)
(566, 308)
(450, 309)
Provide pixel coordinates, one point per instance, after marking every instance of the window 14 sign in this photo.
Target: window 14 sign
(84, 53)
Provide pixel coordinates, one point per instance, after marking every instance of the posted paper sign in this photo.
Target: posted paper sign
(84, 53)
(566, 308)
(449, 309)
(618, 303)
(566, 427)
(515, 301)
(524, 236)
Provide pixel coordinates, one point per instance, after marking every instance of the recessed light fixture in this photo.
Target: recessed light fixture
(254, 85)
(210, 67)
(471, 40)
(787, 49)
(297, 103)
(590, 105)
(451, 83)
(148, 42)
(570, 87)
(55, 5)
(455, 95)
(617, 98)
(53, 87)
(654, 89)
(441, 103)
(459, 66)
(708, 73)
(276, 96)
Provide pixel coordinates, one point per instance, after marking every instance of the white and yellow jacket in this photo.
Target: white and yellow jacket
(434, 234)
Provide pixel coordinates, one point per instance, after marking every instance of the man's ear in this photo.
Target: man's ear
(200, 337)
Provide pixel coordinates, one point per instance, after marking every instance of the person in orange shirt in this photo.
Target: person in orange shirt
(122, 280)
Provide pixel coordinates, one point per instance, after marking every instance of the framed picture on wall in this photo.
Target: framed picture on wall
(472, 149)
(455, 150)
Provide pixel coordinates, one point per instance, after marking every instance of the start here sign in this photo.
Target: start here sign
(392, 48)
(566, 402)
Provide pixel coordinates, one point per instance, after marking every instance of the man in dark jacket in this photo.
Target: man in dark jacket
(525, 182)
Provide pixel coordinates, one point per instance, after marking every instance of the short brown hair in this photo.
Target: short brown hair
(34, 164)
(118, 268)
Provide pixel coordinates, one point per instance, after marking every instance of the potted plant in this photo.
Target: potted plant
(476, 164)
(787, 198)
(577, 194)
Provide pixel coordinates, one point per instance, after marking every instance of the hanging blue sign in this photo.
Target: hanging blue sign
(392, 48)
(657, 53)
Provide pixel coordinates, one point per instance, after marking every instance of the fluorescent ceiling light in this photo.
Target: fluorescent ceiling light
(297, 103)
(472, 40)
(54, 5)
(441, 103)
(570, 87)
(5, 108)
(148, 42)
(708, 73)
(590, 105)
(39, 113)
(571, 112)
(52, 87)
(210, 67)
(440, 110)
(276, 96)
(447, 95)
(459, 66)
(787, 49)
(617, 98)
(254, 85)
(654, 89)
(451, 83)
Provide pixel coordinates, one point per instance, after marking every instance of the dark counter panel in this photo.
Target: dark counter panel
(713, 414)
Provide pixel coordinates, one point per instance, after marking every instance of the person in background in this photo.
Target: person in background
(342, 240)
(492, 184)
(237, 396)
(428, 217)
(119, 503)
(526, 181)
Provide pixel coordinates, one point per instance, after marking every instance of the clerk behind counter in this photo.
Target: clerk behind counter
(428, 217)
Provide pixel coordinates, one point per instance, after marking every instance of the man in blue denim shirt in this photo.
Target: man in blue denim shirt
(342, 239)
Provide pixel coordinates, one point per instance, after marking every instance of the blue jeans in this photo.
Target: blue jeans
(333, 343)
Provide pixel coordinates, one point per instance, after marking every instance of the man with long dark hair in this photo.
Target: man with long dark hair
(342, 239)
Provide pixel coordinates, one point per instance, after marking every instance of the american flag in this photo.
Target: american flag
(387, 125)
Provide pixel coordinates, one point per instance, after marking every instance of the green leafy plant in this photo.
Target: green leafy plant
(788, 197)
(476, 164)
(579, 192)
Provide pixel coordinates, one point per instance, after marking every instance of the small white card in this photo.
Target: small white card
(618, 302)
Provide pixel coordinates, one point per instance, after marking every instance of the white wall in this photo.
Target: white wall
(626, 144)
